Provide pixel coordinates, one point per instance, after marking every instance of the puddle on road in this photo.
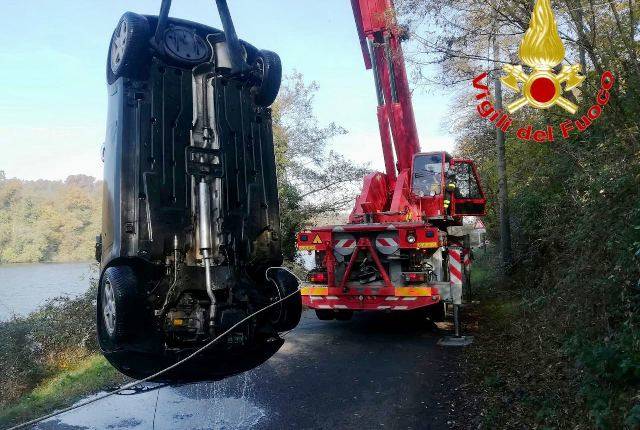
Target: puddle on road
(227, 404)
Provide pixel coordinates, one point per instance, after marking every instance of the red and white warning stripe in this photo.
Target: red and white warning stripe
(312, 298)
(345, 244)
(387, 243)
(338, 306)
(466, 257)
(455, 265)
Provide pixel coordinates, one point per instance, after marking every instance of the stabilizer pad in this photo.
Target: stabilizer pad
(456, 341)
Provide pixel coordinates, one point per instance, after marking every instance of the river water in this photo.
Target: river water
(25, 287)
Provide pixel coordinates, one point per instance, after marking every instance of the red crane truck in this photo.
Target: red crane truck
(399, 250)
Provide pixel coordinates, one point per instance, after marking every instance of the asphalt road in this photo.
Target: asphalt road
(371, 372)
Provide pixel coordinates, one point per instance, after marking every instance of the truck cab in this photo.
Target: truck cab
(446, 186)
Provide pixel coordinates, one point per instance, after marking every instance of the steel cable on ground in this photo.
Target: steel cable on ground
(167, 369)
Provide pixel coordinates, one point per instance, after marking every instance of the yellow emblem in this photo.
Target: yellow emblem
(542, 50)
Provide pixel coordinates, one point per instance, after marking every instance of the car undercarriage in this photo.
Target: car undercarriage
(190, 244)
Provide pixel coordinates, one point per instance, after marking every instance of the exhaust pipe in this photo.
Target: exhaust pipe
(204, 222)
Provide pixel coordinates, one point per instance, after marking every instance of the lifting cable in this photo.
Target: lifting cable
(167, 369)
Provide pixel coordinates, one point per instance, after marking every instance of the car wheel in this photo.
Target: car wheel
(117, 306)
(325, 314)
(286, 315)
(269, 70)
(129, 47)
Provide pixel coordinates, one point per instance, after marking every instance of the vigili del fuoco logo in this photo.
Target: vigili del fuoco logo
(544, 84)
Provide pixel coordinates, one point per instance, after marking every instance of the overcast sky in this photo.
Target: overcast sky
(53, 97)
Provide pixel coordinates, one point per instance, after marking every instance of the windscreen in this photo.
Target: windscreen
(427, 175)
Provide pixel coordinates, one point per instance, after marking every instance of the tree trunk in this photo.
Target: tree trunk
(503, 195)
(581, 49)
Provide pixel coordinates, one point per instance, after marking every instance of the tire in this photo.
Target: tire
(344, 315)
(286, 316)
(436, 313)
(129, 48)
(252, 52)
(270, 71)
(118, 301)
(325, 314)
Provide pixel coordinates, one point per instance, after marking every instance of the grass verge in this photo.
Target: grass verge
(547, 355)
(89, 375)
(49, 359)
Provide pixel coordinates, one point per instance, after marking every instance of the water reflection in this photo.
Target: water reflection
(25, 287)
(226, 404)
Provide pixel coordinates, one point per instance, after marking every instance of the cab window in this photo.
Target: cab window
(466, 184)
(427, 175)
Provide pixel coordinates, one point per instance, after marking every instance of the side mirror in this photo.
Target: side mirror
(98, 249)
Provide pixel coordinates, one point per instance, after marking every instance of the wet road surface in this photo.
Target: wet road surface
(372, 372)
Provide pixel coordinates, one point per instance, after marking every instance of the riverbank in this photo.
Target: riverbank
(49, 359)
(88, 375)
(48, 220)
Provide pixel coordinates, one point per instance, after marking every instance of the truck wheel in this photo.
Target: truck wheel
(344, 315)
(436, 313)
(270, 75)
(325, 314)
(129, 47)
(117, 300)
(286, 315)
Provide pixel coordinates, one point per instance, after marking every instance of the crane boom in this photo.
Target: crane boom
(380, 40)
(403, 246)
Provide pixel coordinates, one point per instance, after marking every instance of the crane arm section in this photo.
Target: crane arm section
(380, 40)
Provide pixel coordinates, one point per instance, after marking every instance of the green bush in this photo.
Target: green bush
(38, 346)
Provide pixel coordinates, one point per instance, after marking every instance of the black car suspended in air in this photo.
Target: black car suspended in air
(190, 241)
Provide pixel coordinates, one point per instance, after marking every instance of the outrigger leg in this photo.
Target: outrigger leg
(456, 279)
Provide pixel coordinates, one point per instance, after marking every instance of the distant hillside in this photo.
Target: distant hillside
(49, 221)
